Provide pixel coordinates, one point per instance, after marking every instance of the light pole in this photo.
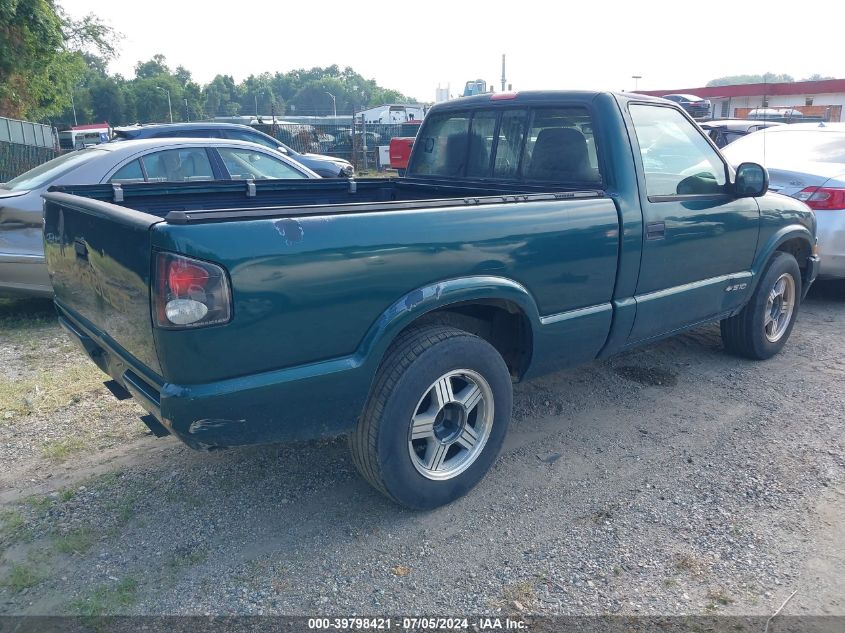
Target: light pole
(187, 112)
(334, 104)
(73, 105)
(169, 109)
(636, 79)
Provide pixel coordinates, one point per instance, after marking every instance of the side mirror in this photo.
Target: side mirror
(752, 180)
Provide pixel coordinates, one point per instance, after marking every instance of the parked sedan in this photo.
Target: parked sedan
(725, 131)
(325, 166)
(22, 269)
(806, 161)
(696, 107)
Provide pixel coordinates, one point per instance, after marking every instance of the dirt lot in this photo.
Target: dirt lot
(673, 479)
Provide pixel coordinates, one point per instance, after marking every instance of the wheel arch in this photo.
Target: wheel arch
(497, 309)
(797, 240)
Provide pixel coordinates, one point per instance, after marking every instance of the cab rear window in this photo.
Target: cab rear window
(535, 145)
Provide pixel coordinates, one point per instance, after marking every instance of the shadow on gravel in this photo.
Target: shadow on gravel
(828, 290)
(19, 314)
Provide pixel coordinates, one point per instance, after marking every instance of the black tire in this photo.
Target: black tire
(744, 334)
(380, 443)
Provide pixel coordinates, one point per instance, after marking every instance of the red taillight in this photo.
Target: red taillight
(182, 276)
(822, 198)
(190, 293)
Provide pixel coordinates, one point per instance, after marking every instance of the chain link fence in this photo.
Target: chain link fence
(358, 143)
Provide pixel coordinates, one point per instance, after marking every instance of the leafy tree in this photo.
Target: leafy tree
(42, 56)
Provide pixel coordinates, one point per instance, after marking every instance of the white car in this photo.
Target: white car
(805, 161)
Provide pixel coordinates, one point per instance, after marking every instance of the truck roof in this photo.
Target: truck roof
(537, 96)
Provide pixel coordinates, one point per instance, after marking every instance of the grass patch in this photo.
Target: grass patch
(22, 577)
(67, 495)
(519, 594)
(76, 542)
(12, 526)
(720, 597)
(62, 449)
(108, 599)
(49, 391)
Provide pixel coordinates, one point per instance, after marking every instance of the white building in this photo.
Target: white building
(393, 113)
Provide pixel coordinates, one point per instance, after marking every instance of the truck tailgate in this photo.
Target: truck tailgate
(98, 256)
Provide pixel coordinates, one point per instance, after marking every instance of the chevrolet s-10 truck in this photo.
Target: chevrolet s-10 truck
(532, 232)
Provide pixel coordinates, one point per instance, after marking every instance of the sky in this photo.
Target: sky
(414, 47)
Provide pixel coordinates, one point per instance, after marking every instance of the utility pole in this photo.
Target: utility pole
(187, 112)
(636, 79)
(169, 109)
(504, 81)
(73, 105)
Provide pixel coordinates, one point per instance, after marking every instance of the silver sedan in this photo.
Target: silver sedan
(805, 161)
(22, 269)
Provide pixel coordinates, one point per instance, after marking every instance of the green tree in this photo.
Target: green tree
(42, 56)
(732, 80)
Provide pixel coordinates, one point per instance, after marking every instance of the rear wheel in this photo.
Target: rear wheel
(763, 326)
(436, 417)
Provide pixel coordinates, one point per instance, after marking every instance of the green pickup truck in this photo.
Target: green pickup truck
(533, 231)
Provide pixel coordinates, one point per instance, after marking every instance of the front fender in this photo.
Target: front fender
(438, 295)
(782, 235)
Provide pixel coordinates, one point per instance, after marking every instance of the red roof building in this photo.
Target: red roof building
(824, 98)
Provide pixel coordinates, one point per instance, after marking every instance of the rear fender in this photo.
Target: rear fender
(439, 295)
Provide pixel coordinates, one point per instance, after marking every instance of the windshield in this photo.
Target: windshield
(783, 147)
(49, 171)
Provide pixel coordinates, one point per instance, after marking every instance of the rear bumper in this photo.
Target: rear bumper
(299, 403)
(831, 231)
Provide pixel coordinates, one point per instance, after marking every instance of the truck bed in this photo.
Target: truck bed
(182, 203)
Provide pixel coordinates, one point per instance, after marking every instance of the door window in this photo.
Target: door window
(178, 165)
(677, 159)
(243, 164)
(130, 172)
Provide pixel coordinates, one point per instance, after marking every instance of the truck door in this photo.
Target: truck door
(699, 240)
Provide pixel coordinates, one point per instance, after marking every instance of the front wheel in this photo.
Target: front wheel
(763, 326)
(436, 417)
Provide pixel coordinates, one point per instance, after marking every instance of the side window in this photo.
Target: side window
(677, 159)
(509, 148)
(481, 143)
(178, 165)
(130, 172)
(561, 147)
(243, 164)
(441, 146)
(238, 135)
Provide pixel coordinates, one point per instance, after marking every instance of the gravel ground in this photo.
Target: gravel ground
(670, 480)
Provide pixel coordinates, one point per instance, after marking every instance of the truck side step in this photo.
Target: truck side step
(157, 428)
(117, 390)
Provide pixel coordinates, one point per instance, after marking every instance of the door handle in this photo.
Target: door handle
(655, 230)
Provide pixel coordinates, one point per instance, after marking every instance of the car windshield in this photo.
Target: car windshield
(783, 147)
(49, 171)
